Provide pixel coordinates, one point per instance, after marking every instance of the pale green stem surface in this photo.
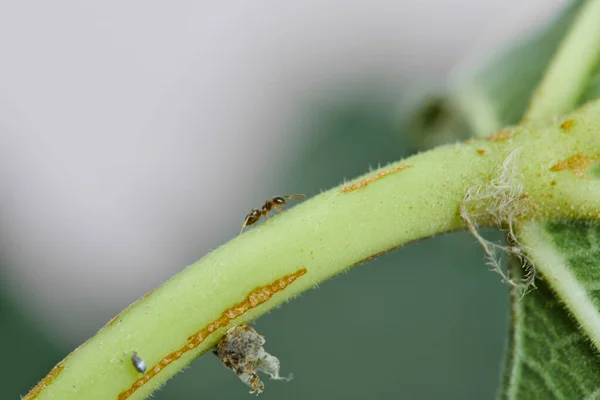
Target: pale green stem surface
(327, 235)
(570, 70)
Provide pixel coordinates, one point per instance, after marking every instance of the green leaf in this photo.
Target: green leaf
(551, 350)
(549, 357)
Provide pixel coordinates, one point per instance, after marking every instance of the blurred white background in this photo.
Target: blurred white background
(134, 136)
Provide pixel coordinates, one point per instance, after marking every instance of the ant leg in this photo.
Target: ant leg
(267, 214)
(276, 207)
(243, 226)
(295, 196)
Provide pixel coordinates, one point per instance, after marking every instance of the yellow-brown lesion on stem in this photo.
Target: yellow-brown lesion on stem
(502, 135)
(257, 297)
(578, 163)
(366, 181)
(54, 372)
(567, 125)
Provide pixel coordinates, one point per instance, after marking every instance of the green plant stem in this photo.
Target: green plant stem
(570, 70)
(322, 237)
(326, 235)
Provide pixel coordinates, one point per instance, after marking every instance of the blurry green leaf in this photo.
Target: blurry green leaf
(593, 90)
(342, 137)
(486, 97)
(23, 342)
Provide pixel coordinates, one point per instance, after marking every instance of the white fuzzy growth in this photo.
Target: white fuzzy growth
(502, 200)
(270, 365)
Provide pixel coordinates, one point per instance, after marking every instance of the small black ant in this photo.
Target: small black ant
(277, 201)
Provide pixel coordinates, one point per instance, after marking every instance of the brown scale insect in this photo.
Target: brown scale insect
(241, 350)
(254, 215)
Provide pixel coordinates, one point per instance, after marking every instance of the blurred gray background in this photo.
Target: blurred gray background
(135, 136)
